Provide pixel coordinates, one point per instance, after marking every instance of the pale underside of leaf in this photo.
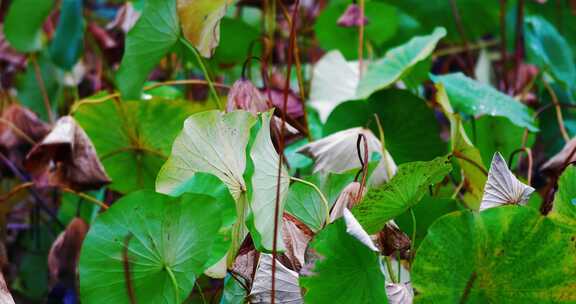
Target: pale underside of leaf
(338, 153)
(264, 183)
(210, 142)
(503, 187)
(287, 289)
(399, 293)
(334, 81)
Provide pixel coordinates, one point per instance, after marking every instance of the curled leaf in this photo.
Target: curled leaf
(399, 293)
(502, 187)
(346, 200)
(557, 162)
(287, 289)
(5, 296)
(264, 183)
(20, 126)
(65, 251)
(66, 157)
(392, 240)
(338, 153)
(296, 237)
(200, 22)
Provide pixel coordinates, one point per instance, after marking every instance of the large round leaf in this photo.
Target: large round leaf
(508, 254)
(411, 130)
(151, 244)
(133, 138)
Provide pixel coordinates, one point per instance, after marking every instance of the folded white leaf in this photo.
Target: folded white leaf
(287, 289)
(399, 293)
(338, 153)
(502, 187)
(354, 228)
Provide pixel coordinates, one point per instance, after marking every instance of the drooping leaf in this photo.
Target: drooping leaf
(338, 153)
(23, 23)
(155, 33)
(265, 181)
(565, 156)
(502, 187)
(403, 191)
(346, 271)
(410, 127)
(152, 244)
(397, 62)
(16, 120)
(564, 205)
(136, 139)
(5, 296)
(66, 157)
(68, 42)
(65, 252)
(306, 205)
(495, 255)
(200, 20)
(549, 50)
(382, 25)
(287, 288)
(211, 142)
(474, 98)
(467, 156)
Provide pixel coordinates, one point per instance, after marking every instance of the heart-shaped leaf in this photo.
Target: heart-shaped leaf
(470, 97)
(155, 33)
(397, 62)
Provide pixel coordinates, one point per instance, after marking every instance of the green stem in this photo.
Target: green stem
(399, 266)
(204, 70)
(201, 293)
(322, 197)
(174, 283)
(390, 270)
(412, 248)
